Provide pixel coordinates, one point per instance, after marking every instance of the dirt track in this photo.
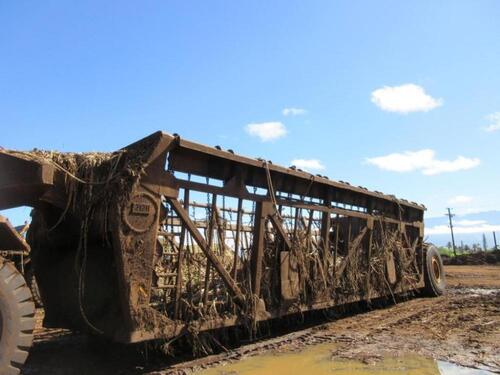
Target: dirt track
(462, 327)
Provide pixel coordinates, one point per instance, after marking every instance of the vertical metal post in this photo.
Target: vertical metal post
(337, 228)
(221, 232)
(308, 232)
(309, 223)
(210, 243)
(237, 239)
(325, 236)
(349, 233)
(261, 213)
(495, 240)
(296, 222)
(180, 258)
(369, 225)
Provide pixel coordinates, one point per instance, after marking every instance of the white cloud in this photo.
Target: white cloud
(482, 227)
(460, 199)
(308, 164)
(404, 99)
(294, 111)
(423, 160)
(266, 131)
(494, 118)
(470, 223)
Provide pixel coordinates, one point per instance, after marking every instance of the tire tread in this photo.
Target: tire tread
(22, 311)
(431, 289)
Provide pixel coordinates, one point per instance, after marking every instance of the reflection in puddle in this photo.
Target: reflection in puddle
(447, 368)
(318, 360)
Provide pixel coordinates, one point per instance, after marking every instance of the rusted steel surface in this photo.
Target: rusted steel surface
(10, 239)
(166, 237)
(13, 247)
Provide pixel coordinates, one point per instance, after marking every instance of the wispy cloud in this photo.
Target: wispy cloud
(460, 200)
(293, 111)
(404, 99)
(423, 160)
(494, 119)
(470, 223)
(266, 131)
(308, 164)
(481, 227)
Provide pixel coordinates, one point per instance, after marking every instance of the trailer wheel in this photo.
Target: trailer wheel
(16, 319)
(435, 283)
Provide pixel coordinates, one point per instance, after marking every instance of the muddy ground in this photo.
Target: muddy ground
(462, 327)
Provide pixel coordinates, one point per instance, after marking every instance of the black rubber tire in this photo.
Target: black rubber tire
(435, 282)
(17, 319)
(32, 284)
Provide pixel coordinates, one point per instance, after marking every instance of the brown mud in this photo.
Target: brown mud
(461, 327)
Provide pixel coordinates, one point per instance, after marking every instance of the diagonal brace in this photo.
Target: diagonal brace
(235, 290)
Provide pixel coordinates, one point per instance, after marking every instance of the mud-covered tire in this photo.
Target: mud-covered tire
(435, 282)
(32, 284)
(17, 319)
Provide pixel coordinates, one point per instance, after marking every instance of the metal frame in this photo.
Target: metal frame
(342, 226)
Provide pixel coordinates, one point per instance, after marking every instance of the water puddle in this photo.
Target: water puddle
(447, 368)
(476, 291)
(318, 360)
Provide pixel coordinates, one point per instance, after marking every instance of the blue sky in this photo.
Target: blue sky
(369, 79)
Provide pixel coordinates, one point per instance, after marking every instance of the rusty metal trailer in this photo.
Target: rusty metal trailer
(167, 237)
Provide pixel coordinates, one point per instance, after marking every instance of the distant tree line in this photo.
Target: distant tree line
(468, 249)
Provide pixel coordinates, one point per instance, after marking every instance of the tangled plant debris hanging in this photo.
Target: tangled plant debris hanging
(267, 242)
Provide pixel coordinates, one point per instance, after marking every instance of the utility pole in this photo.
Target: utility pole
(450, 215)
(495, 240)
